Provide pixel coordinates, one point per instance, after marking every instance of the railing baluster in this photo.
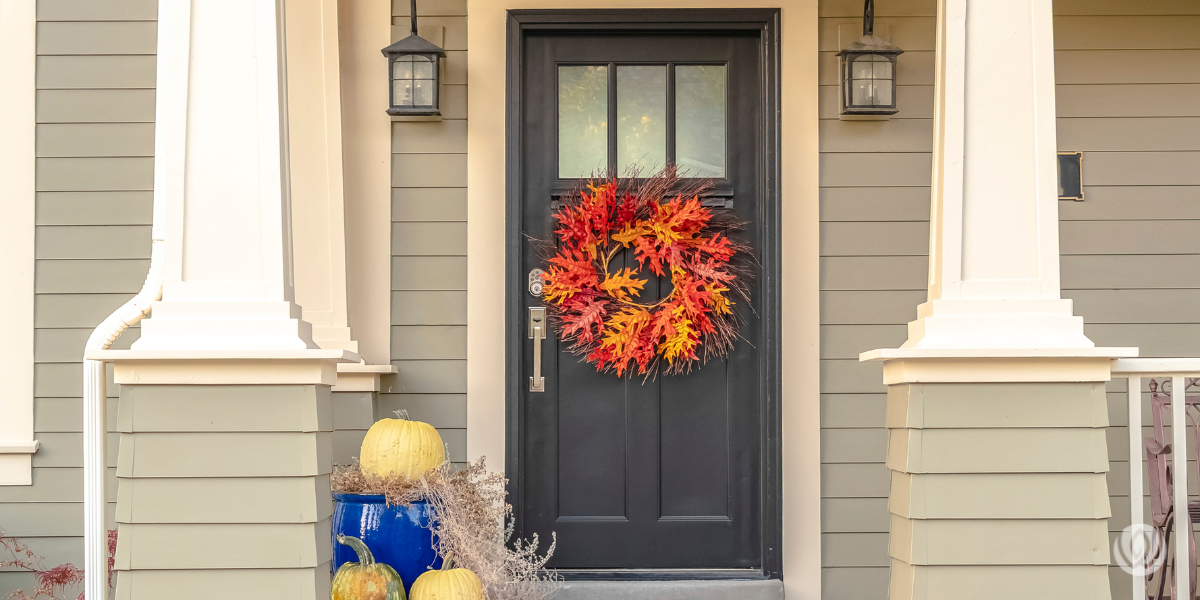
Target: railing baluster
(1134, 389)
(1183, 585)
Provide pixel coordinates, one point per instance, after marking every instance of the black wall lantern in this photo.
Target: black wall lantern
(868, 72)
(414, 74)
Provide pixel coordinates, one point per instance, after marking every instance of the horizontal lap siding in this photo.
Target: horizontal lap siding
(95, 148)
(429, 244)
(1128, 76)
(1127, 99)
(874, 245)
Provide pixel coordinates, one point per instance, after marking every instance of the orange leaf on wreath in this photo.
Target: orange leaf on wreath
(599, 313)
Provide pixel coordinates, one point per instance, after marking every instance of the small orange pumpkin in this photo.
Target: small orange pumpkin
(365, 579)
(447, 584)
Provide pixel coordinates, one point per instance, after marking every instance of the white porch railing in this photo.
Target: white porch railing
(1178, 371)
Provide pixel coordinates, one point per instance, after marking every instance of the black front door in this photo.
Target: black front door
(665, 473)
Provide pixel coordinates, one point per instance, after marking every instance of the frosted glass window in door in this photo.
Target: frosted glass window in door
(582, 121)
(641, 118)
(700, 120)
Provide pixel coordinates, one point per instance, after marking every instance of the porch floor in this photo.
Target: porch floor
(770, 589)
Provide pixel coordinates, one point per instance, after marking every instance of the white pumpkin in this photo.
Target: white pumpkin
(400, 447)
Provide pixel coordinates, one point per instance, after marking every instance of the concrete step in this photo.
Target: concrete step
(767, 589)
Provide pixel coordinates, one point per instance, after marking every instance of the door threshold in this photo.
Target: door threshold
(712, 589)
(660, 574)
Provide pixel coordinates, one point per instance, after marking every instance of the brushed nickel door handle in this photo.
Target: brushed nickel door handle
(537, 333)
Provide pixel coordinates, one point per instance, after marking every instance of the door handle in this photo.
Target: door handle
(537, 333)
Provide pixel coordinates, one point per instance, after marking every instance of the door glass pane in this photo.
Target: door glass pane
(700, 120)
(582, 121)
(641, 118)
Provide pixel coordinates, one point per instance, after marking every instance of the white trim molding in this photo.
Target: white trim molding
(19, 447)
(993, 266)
(18, 64)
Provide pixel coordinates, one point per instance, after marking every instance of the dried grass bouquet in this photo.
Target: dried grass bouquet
(471, 512)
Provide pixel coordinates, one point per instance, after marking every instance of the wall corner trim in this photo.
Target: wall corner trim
(18, 65)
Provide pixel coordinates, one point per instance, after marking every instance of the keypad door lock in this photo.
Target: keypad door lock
(536, 282)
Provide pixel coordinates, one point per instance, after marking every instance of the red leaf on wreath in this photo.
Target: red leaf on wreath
(596, 303)
(581, 324)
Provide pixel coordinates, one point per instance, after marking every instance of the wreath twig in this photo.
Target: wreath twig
(597, 303)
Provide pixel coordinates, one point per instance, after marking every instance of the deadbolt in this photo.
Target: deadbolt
(536, 282)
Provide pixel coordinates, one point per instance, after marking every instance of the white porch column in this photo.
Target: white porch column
(224, 177)
(225, 415)
(996, 408)
(315, 133)
(993, 264)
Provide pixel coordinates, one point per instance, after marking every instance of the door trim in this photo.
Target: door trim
(767, 22)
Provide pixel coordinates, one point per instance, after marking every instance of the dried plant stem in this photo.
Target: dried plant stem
(470, 512)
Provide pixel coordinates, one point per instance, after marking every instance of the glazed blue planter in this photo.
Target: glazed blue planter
(398, 536)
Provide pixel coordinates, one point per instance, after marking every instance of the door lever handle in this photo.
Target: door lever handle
(537, 333)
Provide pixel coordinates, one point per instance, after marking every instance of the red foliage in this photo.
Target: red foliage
(53, 581)
(598, 307)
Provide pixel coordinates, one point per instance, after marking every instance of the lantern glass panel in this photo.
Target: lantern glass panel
(402, 92)
(423, 92)
(870, 81)
(422, 67)
(413, 80)
(402, 68)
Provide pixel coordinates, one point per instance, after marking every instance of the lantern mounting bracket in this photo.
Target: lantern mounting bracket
(414, 73)
(867, 73)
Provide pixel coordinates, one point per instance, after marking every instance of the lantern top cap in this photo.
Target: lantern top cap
(414, 44)
(869, 44)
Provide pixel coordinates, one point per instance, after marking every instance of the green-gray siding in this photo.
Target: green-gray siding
(95, 147)
(1127, 80)
(429, 244)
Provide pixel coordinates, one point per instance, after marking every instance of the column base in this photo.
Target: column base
(225, 326)
(999, 463)
(223, 491)
(998, 582)
(996, 324)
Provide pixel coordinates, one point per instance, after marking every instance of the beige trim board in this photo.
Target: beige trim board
(979, 370)
(999, 542)
(223, 546)
(230, 584)
(273, 454)
(999, 496)
(16, 469)
(366, 27)
(18, 60)
(358, 377)
(1018, 450)
(1003, 582)
(987, 405)
(224, 500)
(799, 220)
(217, 367)
(225, 372)
(217, 408)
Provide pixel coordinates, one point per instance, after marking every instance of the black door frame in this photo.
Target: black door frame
(767, 22)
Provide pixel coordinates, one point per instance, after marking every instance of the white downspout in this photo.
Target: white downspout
(95, 401)
(95, 421)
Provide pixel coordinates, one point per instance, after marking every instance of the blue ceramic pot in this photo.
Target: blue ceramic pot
(398, 536)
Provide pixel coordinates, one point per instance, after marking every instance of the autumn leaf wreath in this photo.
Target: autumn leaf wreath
(596, 303)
